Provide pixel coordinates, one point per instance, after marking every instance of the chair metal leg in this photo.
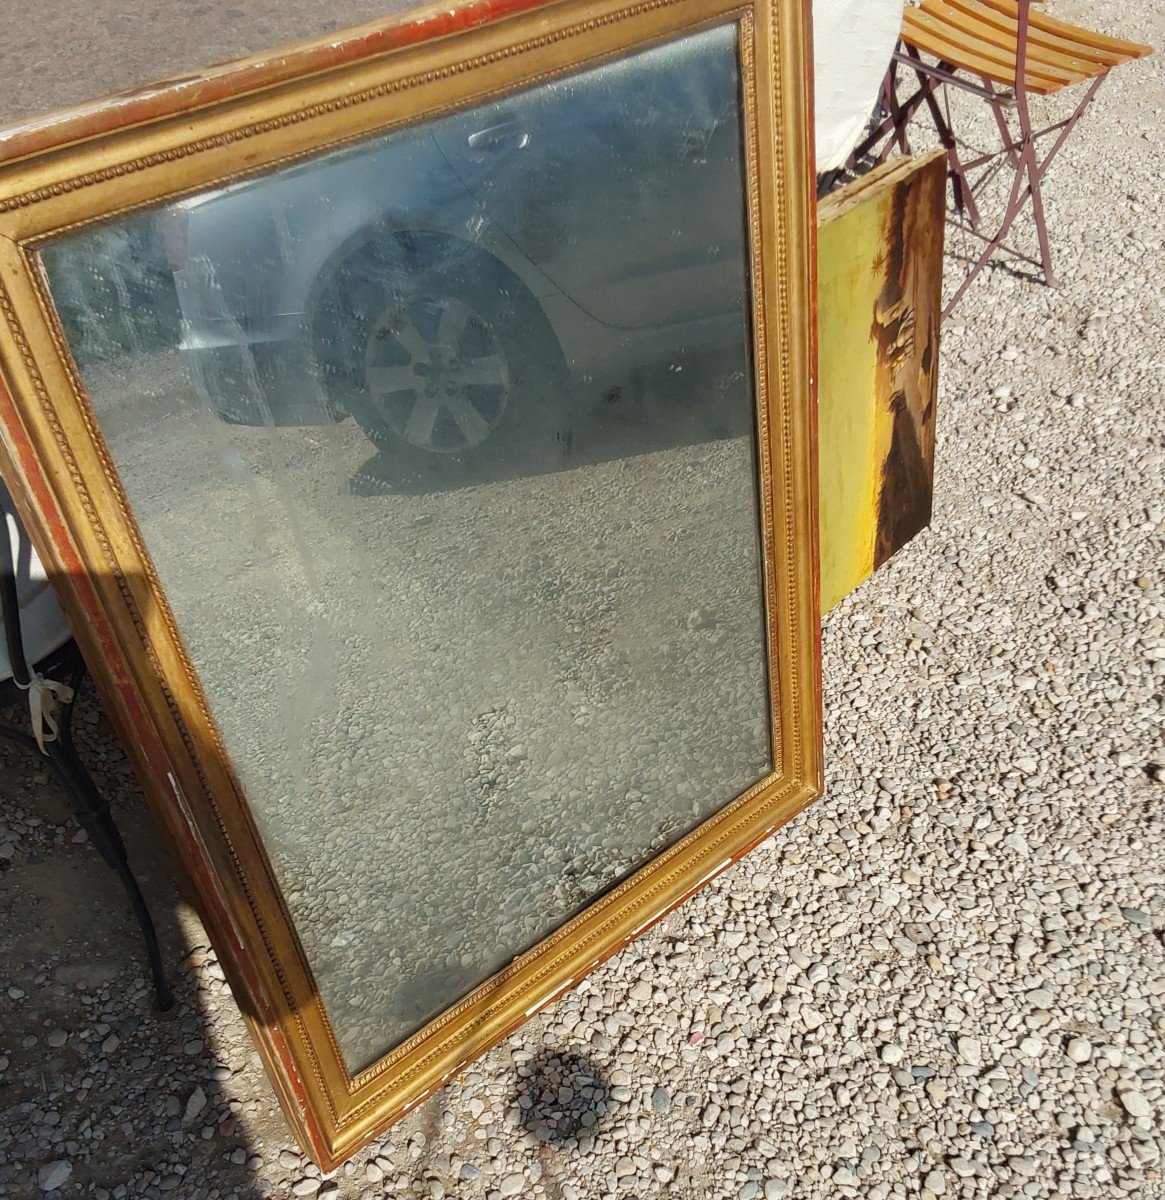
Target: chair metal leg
(1014, 207)
(92, 813)
(896, 114)
(1066, 126)
(964, 196)
(1029, 165)
(890, 124)
(1037, 200)
(1038, 167)
(999, 99)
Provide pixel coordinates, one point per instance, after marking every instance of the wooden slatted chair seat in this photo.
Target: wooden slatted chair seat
(1002, 51)
(982, 37)
(937, 33)
(1041, 23)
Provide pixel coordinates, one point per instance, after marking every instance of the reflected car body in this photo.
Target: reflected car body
(441, 278)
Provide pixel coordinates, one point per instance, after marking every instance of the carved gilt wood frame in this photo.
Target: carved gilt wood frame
(139, 150)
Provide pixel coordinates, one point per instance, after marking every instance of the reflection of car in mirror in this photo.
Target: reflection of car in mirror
(452, 284)
(118, 298)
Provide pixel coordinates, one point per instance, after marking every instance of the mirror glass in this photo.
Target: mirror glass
(443, 446)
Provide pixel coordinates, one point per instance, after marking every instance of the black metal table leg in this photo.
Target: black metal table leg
(92, 814)
(89, 806)
(91, 810)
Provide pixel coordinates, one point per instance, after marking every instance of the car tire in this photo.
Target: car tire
(439, 351)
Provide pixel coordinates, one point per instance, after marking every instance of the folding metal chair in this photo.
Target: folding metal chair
(1003, 52)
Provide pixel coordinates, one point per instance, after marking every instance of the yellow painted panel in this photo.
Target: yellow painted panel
(878, 293)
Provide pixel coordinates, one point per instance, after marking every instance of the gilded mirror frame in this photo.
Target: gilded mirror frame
(136, 151)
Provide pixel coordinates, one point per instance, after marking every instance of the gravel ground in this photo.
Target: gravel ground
(945, 979)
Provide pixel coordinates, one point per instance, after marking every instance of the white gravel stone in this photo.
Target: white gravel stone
(970, 1051)
(54, 1175)
(1079, 1050)
(1135, 1103)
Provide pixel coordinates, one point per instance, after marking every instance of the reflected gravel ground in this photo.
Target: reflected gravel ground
(458, 715)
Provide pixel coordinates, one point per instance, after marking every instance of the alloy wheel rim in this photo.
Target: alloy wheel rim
(436, 372)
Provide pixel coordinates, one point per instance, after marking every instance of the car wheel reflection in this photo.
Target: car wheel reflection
(437, 349)
(435, 373)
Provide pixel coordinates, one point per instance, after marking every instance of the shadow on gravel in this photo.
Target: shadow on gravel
(99, 1093)
(565, 1095)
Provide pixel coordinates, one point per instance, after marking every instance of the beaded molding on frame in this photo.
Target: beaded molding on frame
(312, 111)
(223, 812)
(747, 56)
(548, 944)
